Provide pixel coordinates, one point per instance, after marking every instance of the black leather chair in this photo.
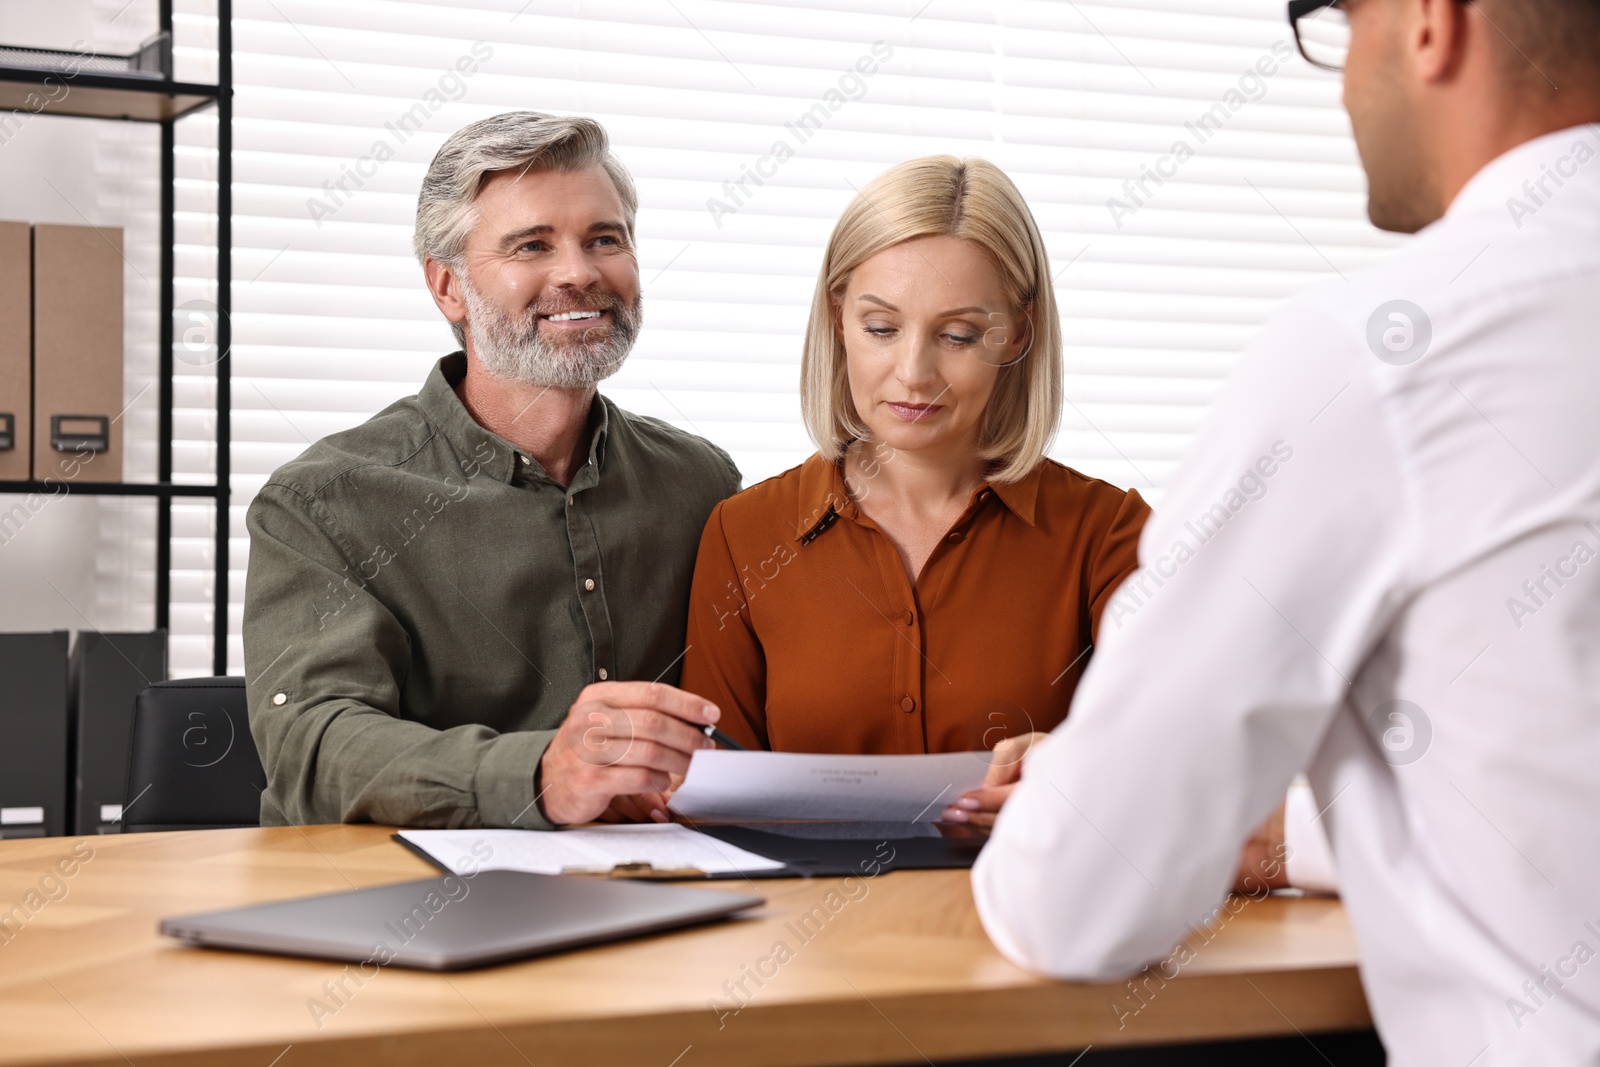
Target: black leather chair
(193, 764)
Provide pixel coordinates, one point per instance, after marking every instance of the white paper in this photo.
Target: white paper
(736, 786)
(663, 845)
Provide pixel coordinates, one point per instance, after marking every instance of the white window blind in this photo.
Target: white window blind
(1188, 170)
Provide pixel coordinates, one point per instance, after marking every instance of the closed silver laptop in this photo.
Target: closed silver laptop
(454, 921)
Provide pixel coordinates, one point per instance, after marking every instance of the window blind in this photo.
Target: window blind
(1188, 171)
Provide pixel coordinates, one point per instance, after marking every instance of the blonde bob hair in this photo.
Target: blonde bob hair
(943, 196)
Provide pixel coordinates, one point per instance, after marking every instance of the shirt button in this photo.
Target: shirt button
(280, 699)
(525, 460)
(910, 618)
(588, 583)
(604, 674)
(955, 537)
(908, 705)
(569, 501)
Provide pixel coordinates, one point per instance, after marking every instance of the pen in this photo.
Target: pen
(723, 739)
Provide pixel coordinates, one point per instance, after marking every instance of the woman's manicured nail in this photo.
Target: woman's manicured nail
(968, 804)
(954, 815)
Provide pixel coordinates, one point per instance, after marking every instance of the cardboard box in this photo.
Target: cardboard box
(77, 353)
(16, 344)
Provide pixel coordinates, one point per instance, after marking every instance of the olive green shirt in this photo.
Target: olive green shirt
(424, 604)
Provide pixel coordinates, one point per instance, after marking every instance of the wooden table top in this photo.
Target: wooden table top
(899, 972)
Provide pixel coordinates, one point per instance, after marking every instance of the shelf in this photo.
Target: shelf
(156, 489)
(140, 87)
(130, 97)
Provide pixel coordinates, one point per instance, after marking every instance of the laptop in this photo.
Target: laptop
(455, 922)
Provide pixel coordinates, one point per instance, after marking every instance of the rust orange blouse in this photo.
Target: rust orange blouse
(806, 631)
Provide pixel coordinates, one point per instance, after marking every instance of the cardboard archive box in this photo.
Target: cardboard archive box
(77, 353)
(16, 343)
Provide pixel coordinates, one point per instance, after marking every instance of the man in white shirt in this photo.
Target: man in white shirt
(1380, 563)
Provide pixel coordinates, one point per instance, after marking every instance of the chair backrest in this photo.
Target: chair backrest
(193, 764)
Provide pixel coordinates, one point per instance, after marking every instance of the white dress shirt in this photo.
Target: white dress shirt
(1379, 563)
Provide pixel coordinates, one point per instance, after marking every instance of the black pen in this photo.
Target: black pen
(723, 739)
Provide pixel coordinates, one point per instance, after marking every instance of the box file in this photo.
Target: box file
(77, 353)
(33, 735)
(16, 347)
(107, 672)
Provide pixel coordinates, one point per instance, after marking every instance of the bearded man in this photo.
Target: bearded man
(469, 610)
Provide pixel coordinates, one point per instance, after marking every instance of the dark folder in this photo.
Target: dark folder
(33, 735)
(862, 849)
(108, 671)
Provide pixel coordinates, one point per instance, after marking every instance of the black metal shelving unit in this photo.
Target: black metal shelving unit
(137, 96)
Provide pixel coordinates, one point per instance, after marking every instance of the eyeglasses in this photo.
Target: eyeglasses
(1321, 31)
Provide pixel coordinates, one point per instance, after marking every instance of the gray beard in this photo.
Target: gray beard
(510, 348)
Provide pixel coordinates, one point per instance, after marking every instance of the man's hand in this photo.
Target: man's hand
(1263, 861)
(621, 740)
(978, 807)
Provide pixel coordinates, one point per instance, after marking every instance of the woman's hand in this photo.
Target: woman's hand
(642, 807)
(978, 807)
(1263, 862)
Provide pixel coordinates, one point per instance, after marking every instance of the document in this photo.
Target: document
(596, 850)
(754, 786)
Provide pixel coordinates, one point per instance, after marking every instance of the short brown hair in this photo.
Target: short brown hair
(1547, 45)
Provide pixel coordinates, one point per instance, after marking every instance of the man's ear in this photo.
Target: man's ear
(1436, 36)
(445, 287)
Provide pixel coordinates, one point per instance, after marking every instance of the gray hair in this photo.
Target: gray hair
(515, 139)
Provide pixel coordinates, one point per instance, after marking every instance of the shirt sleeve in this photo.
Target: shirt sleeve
(325, 663)
(1116, 557)
(1265, 579)
(723, 660)
(1308, 856)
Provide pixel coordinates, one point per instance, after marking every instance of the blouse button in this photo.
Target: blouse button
(908, 705)
(910, 618)
(955, 537)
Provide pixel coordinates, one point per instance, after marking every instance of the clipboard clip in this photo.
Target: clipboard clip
(642, 870)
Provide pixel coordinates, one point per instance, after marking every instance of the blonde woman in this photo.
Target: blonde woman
(927, 581)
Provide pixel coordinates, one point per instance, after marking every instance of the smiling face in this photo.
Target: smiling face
(927, 327)
(549, 289)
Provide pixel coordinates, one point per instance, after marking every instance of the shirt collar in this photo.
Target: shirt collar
(824, 497)
(1502, 178)
(493, 454)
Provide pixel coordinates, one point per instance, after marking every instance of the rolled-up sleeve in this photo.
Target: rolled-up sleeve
(325, 665)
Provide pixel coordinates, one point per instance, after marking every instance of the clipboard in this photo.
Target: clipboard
(635, 871)
(805, 850)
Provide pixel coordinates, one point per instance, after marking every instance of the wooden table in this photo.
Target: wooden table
(899, 972)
